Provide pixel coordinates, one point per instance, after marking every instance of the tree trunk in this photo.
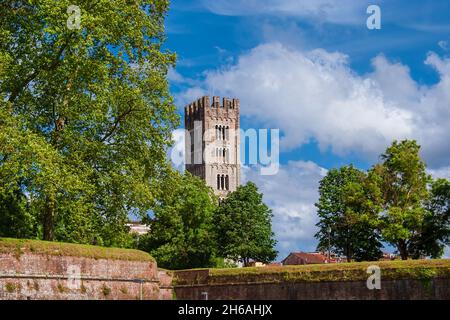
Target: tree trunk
(402, 249)
(49, 220)
(348, 253)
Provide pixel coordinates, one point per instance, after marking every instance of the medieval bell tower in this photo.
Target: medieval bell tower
(212, 143)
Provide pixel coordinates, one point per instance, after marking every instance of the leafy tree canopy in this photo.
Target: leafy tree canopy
(346, 224)
(402, 182)
(181, 232)
(244, 227)
(85, 115)
(435, 229)
(396, 201)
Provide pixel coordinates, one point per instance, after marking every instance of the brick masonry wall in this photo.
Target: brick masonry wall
(34, 276)
(52, 277)
(195, 284)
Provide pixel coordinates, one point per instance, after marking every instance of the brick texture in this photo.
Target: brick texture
(33, 276)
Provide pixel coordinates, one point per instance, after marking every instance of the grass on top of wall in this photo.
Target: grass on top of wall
(21, 246)
(355, 271)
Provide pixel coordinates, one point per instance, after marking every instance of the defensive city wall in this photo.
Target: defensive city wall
(404, 280)
(48, 270)
(31, 270)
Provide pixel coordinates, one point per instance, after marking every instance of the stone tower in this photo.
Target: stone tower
(213, 142)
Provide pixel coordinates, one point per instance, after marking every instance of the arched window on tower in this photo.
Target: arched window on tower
(227, 156)
(227, 182)
(227, 131)
(218, 182)
(224, 154)
(222, 182)
(223, 132)
(217, 132)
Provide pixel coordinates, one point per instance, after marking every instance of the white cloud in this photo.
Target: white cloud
(174, 76)
(192, 92)
(395, 82)
(443, 45)
(291, 195)
(176, 153)
(447, 253)
(334, 11)
(315, 95)
(443, 172)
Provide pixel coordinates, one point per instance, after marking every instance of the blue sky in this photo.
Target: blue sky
(338, 92)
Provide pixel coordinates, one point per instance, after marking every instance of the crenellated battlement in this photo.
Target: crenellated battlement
(201, 104)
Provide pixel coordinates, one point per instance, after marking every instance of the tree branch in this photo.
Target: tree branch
(15, 93)
(116, 124)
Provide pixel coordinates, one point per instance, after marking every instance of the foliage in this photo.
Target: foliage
(181, 232)
(435, 230)
(346, 224)
(244, 227)
(393, 199)
(225, 263)
(85, 117)
(402, 181)
(15, 219)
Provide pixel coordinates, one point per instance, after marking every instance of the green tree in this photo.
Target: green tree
(15, 220)
(402, 181)
(85, 114)
(244, 227)
(435, 230)
(181, 232)
(346, 224)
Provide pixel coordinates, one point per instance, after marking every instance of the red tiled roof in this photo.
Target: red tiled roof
(311, 258)
(274, 264)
